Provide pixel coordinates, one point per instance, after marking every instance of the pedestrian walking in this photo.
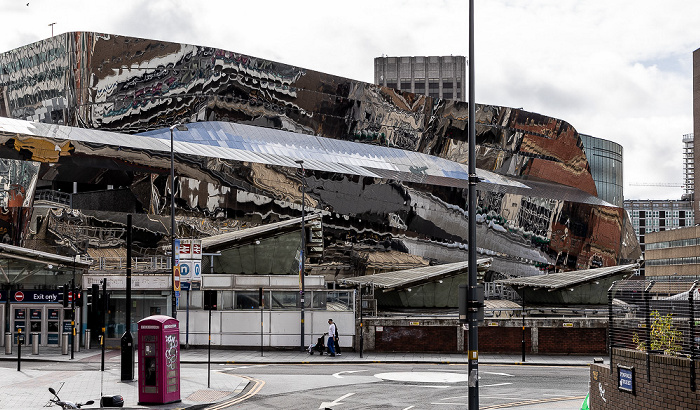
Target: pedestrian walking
(331, 337)
(337, 341)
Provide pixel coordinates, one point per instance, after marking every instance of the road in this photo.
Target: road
(406, 386)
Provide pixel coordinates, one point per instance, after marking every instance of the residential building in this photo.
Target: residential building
(650, 216)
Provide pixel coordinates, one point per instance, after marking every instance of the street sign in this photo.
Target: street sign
(185, 249)
(19, 296)
(176, 278)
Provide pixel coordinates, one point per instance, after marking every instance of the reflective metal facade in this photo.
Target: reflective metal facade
(387, 169)
(605, 158)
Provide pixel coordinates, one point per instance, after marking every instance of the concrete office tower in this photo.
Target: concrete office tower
(437, 77)
(696, 124)
(688, 166)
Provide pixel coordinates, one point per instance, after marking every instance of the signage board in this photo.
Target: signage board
(185, 249)
(197, 249)
(185, 269)
(625, 378)
(35, 296)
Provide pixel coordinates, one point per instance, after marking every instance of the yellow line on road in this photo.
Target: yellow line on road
(257, 386)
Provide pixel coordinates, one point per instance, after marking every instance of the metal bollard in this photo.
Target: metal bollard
(76, 345)
(87, 339)
(35, 342)
(8, 343)
(65, 345)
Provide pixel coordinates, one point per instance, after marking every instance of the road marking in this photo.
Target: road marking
(500, 374)
(257, 386)
(408, 408)
(494, 385)
(335, 402)
(246, 367)
(338, 375)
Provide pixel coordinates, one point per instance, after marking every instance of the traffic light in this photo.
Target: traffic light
(64, 289)
(78, 297)
(94, 295)
(209, 300)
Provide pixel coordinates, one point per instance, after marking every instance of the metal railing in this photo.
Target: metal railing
(655, 318)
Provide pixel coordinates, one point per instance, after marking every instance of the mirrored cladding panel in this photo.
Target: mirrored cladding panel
(386, 169)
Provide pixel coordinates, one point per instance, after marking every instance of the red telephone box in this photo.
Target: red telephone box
(159, 360)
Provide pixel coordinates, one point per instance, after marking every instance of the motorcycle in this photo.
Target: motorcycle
(65, 404)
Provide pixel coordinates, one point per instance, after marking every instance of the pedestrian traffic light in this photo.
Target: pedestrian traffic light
(94, 296)
(65, 295)
(78, 297)
(209, 300)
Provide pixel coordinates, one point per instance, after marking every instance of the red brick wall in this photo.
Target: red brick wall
(669, 387)
(416, 339)
(503, 339)
(572, 340)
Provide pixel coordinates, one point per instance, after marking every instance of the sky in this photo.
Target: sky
(620, 70)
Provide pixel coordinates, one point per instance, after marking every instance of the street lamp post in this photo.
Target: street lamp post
(303, 246)
(473, 351)
(180, 127)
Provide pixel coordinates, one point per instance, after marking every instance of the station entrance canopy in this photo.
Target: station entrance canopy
(582, 287)
(29, 267)
(402, 279)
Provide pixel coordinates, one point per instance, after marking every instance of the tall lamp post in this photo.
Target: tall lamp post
(303, 246)
(473, 364)
(180, 127)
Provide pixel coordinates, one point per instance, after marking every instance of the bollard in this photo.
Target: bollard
(35, 342)
(87, 339)
(8, 343)
(65, 345)
(76, 345)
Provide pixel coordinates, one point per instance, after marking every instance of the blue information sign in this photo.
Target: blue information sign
(626, 377)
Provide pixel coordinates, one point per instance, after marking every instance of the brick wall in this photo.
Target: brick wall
(572, 340)
(416, 339)
(668, 388)
(542, 336)
(503, 339)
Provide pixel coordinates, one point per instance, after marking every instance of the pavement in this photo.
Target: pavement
(82, 380)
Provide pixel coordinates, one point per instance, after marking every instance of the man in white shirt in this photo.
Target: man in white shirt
(331, 337)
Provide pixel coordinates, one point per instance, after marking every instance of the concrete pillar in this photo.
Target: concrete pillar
(534, 337)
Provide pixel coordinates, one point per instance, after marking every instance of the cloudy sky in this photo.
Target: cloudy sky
(615, 69)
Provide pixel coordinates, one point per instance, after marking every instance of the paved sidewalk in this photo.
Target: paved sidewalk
(28, 389)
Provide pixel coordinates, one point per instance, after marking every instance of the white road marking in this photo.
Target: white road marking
(500, 374)
(338, 375)
(335, 402)
(409, 408)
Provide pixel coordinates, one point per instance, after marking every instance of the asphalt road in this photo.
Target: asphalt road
(406, 386)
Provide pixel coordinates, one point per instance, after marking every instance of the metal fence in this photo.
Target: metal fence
(655, 318)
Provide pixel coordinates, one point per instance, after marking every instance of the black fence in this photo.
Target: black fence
(655, 317)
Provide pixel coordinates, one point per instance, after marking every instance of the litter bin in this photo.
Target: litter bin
(87, 339)
(65, 345)
(8, 343)
(35, 342)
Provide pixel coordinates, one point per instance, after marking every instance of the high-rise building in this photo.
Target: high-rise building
(688, 165)
(696, 128)
(437, 77)
(657, 216)
(605, 158)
